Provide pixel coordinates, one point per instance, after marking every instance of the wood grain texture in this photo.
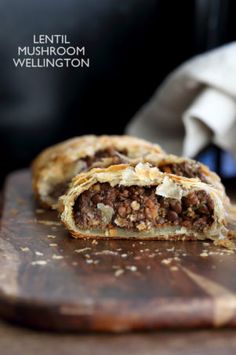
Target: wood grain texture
(16, 340)
(51, 281)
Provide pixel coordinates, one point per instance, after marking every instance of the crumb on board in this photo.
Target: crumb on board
(118, 272)
(106, 252)
(82, 250)
(38, 253)
(174, 268)
(51, 236)
(24, 249)
(39, 262)
(89, 261)
(124, 255)
(53, 244)
(57, 257)
(166, 261)
(95, 242)
(204, 255)
(171, 249)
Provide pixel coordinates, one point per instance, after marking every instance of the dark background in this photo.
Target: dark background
(132, 45)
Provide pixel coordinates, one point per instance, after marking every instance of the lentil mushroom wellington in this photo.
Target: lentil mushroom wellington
(54, 168)
(125, 201)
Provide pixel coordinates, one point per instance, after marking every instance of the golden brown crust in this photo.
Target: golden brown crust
(144, 175)
(59, 162)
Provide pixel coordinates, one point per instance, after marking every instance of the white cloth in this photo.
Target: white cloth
(194, 106)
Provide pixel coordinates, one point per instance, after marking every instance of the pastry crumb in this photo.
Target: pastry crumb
(106, 252)
(24, 248)
(82, 250)
(39, 262)
(57, 257)
(53, 244)
(171, 249)
(39, 253)
(118, 272)
(204, 255)
(89, 261)
(51, 236)
(166, 261)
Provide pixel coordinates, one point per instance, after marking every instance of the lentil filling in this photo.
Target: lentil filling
(140, 209)
(189, 169)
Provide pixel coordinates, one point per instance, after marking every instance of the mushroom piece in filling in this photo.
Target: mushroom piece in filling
(141, 209)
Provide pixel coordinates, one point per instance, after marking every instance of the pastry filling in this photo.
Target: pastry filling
(141, 209)
(102, 158)
(189, 169)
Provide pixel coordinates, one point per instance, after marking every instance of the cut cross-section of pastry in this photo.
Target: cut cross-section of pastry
(141, 202)
(54, 168)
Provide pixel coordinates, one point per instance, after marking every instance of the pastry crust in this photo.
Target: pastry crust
(167, 159)
(169, 185)
(59, 163)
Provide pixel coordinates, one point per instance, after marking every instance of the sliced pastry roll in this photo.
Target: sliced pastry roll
(181, 166)
(141, 202)
(54, 168)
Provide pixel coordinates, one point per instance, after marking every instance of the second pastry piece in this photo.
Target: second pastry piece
(54, 168)
(142, 202)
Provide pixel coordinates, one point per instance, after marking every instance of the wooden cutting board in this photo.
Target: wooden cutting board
(49, 280)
